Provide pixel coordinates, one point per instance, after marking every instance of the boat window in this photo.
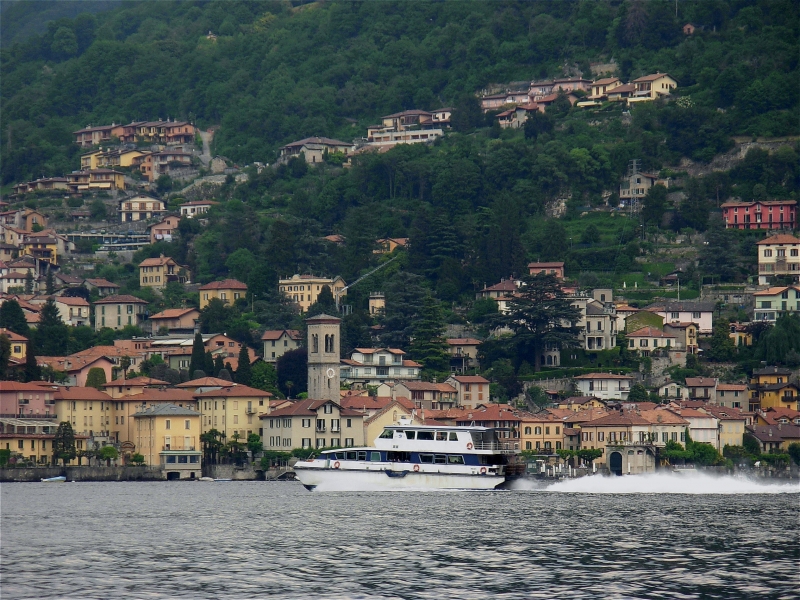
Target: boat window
(441, 436)
(376, 456)
(387, 433)
(398, 456)
(350, 455)
(453, 436)
(455, 459)
(425, 435)
(362, 455)
(440, 459)
(426, 459)
(410, 435)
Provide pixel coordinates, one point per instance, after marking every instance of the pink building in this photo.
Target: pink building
(767, 214)
(26, 399)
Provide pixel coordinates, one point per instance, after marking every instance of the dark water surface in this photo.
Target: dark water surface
(275, 540)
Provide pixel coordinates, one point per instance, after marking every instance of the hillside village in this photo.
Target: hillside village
(567, 259)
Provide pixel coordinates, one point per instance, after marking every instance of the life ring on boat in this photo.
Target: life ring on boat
(469, 446)
(483, 470)
(416, 468)
(336, 465)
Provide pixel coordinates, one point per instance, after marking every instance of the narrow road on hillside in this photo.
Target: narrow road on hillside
(206, 136)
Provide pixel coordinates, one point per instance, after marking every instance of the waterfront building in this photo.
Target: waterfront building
(312, 424)
(232, 409)
(168, 436)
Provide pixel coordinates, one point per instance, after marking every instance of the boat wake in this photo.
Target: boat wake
(660, 483)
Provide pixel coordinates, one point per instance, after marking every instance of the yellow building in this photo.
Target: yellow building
(229, 291)
(651, 87)
(31, 440)
(88, 410)
(542, 433)
(731, 426)
(95, 179)
(157, 272)
(388, 415)
(578, 403)
(770, 388)
(43, 245)
(19, 344)
(233, 409)
(168, 436)
(304, 289)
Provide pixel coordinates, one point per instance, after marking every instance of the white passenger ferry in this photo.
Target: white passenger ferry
(409, 456)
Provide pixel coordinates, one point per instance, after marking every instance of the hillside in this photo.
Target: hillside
(279, 71)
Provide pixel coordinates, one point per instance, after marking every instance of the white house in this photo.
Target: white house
(373, 366)
(699, 313)
(605, 386)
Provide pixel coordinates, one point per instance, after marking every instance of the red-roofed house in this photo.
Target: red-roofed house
(779, 255)
(117, 312)
(549, 268)
(277, 342)
(312, 424)
(103, 286)
(158, 272)
(229, 291)
(463, 354)
(502, 417)
(174, 320)
(437, 396)
(472, 390)
(760, 214)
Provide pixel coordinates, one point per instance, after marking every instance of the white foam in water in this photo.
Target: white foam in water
(661, 483)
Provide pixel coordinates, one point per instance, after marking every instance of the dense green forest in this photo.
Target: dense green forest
(280, 70)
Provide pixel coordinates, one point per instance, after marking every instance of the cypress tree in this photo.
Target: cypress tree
(218, 365)
(198, 361)
(245, 372)
(13, 318)
(209, 363)
(5, 355)
(32, 371)
(49, 284)
(29, 282)
(52, 335)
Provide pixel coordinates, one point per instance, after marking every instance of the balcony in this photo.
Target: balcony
(334, 429)
(320, 429)
(176, 447)
(250, 410)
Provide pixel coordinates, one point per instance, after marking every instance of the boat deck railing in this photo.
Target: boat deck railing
(494, 446)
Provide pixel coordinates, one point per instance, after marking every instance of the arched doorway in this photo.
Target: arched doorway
(615, 463)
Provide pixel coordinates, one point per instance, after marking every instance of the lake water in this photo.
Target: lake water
(664, 536)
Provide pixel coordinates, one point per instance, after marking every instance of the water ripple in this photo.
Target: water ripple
(275, 540)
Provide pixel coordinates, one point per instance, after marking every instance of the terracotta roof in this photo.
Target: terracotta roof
(135, 382)
(493, 412)
(80, 393)
(662, 416)
(545, 265)
(470, 379)
(617, 419)
(781, 238)
(650, 332)
(365, 403)
(582, 416)
(621, 89)
(101, 283)
(309, 407)
(157, 262)
(234, 390)
(701, 382)
(731, 387)
(123, 299)
(227, 284)
(422, 386)
(172, 313)
(605, 81)
(507, 285)
(775, 433)
(774, 291)
(651, 77)
(12, 337)
(204, 382)
(724, 413)
(13, 386)
(689, 412)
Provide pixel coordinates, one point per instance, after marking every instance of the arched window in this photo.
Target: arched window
(314, 342)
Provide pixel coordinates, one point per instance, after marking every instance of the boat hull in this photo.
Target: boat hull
(60, 479)
(357, 480)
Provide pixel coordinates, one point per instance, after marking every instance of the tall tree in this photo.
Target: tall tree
(32, 370)
(96, 378)
(245, 372)
(50, 284)
(29, 282)
(540, 316)
(428, 345)
(198, 360)
(5, 356)
(404, 298)
(218, 365)
(52, 335)
(64, 443)
(12, 317)
(208, 363)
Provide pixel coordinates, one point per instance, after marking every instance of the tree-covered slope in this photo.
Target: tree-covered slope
(279, 71)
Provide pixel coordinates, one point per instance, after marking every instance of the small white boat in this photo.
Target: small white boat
(409, 456)
(59, 479)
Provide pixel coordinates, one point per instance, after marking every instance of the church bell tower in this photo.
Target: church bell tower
(323, 357)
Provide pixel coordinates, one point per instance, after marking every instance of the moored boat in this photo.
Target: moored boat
(409, 456)
(58, 479)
